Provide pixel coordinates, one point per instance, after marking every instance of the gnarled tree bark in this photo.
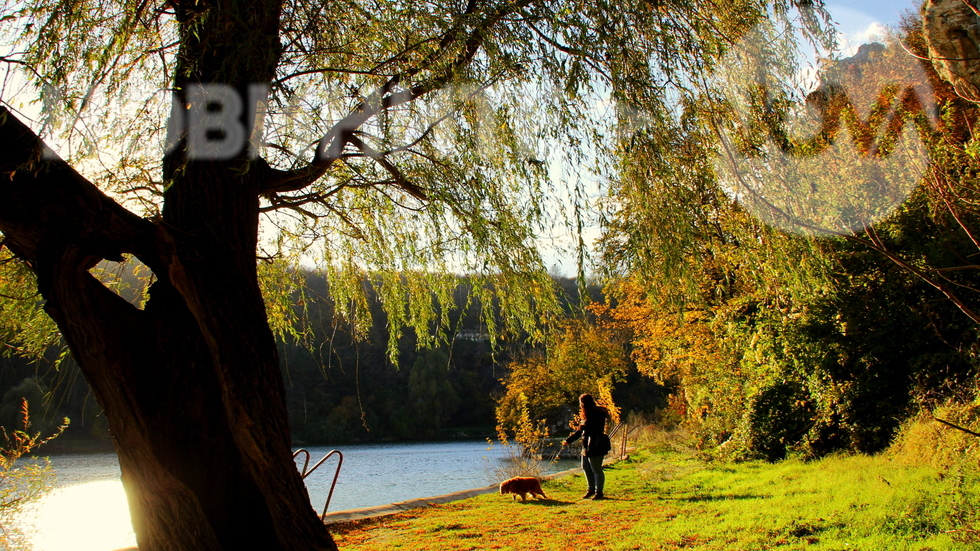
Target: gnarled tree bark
(952, 32)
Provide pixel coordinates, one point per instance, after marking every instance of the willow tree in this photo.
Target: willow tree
(221, 143)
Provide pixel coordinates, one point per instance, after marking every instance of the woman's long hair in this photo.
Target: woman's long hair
(587, 406)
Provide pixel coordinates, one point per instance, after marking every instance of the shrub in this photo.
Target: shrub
(779, 416)
(954, 452)
(21, 483)
(923, 440)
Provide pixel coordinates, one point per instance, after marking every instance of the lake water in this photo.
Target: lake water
(87, 510)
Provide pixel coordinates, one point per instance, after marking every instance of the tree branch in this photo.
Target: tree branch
(399, 178)
(46, 206)
(331, 146)
(957, 427)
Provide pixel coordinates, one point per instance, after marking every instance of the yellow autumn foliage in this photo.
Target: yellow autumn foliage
(685, 350)
(543, 388)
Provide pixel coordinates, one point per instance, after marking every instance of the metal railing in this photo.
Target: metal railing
(304, 472)
(626, 430)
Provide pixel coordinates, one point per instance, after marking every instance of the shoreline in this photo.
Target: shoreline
(363, 513)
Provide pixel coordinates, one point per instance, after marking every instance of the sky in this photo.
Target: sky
(885, 11)
(859, 19)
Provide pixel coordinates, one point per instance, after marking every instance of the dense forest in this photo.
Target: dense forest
(338, 388)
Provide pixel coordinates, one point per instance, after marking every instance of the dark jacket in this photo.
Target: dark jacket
(594, 426)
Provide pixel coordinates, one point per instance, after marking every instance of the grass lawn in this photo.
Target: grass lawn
(669, 500)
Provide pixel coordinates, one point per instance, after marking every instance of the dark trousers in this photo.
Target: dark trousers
(593, 472)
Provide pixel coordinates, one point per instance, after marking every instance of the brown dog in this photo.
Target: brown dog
(522, 485)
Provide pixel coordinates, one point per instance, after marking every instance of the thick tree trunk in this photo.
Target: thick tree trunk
(190, 385)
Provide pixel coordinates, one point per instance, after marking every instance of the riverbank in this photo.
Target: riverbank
(407, 505)
(671, 500)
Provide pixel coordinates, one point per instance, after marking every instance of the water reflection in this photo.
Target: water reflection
(88, 510)
(86, 517)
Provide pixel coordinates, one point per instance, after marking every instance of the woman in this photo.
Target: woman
(592, 429)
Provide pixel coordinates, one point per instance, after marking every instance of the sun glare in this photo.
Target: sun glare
(87, 517)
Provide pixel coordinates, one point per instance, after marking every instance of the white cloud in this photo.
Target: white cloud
(855, 27)
(850, 42)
